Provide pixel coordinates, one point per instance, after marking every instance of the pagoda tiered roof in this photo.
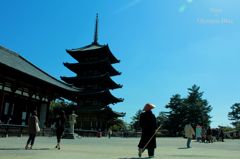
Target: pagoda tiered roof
(103, 80)
(101, 66)
(110, 113)
(91, 52)
(106, 111)
(103, 96)
(93, 69)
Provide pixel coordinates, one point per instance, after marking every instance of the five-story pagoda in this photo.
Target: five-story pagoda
(93, 75)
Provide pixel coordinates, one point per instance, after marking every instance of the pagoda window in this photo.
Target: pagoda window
(84, 87)
(93, 58)
(95, 72)
(97, 103)
(95, 86)
(88, 86)
(99, 87)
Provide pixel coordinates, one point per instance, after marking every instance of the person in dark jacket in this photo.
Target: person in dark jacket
(209, 135)
(149, 125)
(60, 125)
(33, 127)
(221, 135)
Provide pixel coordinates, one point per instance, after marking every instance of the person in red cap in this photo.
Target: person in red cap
(149, 125)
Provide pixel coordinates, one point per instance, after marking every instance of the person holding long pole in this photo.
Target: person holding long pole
(149, 125)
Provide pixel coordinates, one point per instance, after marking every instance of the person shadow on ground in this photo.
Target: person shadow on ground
(135, 158)
(3, 149)
(183, 148)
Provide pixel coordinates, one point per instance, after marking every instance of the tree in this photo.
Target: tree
(162, 118)
(135, 120)
(234, 115)
(226, 128)
(175, 115)
(57, 106)
(64, 105)
(197, 108)
(192, 109)
(118, 125)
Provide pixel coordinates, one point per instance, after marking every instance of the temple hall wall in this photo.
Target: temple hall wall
(1, 103)
(43, 114)
(17, 109)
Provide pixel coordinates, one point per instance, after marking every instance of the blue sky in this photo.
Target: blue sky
(164, 46)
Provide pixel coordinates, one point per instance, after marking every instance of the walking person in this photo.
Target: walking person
(189, 132)
(60, 126)
(109, 133)
(198, 133)
(33, 128)
(209, 135)
(203, 135)
(221, 135)
(148, 124)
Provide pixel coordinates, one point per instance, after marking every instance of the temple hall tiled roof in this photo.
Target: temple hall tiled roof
(15, 61)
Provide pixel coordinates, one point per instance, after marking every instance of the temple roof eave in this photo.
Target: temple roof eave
(105, 94)
(77, 68)
(93, 49)
(110, 112)
(100, 79)
(13, 60)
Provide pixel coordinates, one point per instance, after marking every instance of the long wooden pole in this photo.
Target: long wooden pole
(150, 139)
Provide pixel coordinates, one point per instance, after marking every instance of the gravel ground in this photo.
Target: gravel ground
(115, 148)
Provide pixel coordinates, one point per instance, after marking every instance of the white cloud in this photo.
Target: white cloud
(129, 5)
(184, 6)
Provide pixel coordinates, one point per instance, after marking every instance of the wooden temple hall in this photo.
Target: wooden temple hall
(25, 87)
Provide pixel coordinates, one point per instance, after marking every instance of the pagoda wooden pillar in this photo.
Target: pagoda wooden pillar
(96, 123)
(81, 123)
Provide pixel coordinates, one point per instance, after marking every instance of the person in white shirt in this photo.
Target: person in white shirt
(189, 132)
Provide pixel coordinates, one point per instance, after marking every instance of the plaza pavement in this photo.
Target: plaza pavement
(115, 148)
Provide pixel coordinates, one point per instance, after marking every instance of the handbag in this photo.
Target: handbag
(37, 127)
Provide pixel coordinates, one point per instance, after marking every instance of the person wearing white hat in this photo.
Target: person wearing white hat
(149, 125)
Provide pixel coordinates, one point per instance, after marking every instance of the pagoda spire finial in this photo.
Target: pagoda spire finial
(96, 31)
